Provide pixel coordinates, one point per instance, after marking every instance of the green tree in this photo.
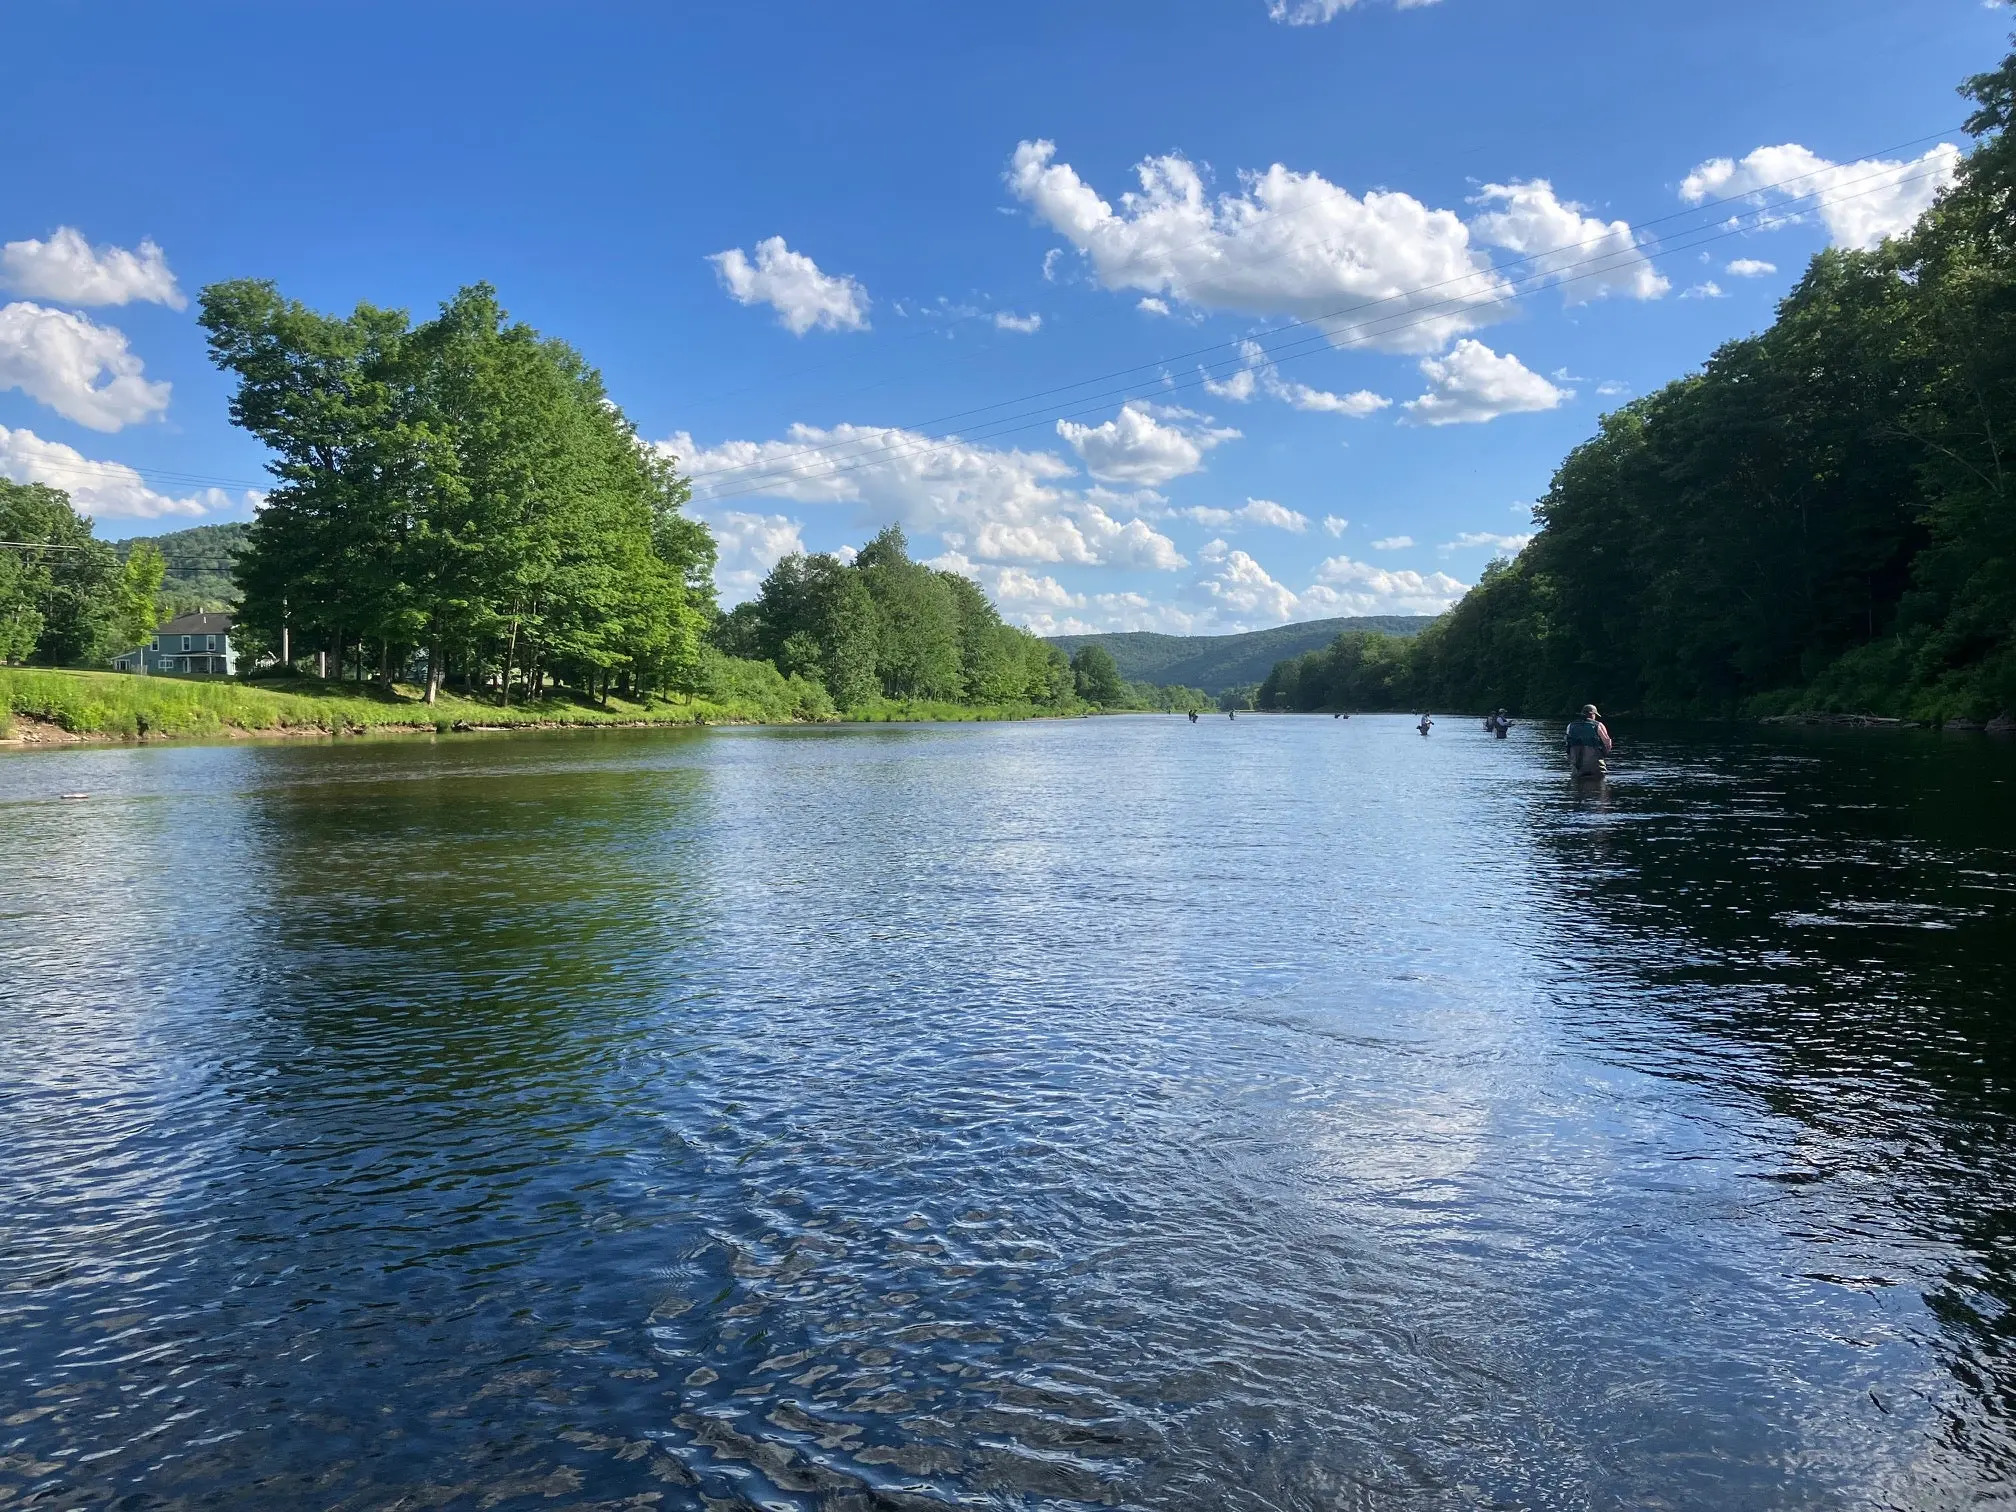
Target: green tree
(1097, 677)
(918, 654)
(1823, 516)
(886, 625)
(465, 489)
(816, 618)
(137, 612)
(60, 589)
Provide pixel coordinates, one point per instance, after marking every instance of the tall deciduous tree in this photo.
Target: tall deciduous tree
(62, 591)
(1097, 676)
(464, 489)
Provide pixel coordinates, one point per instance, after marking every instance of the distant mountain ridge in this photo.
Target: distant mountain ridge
(1217, 662)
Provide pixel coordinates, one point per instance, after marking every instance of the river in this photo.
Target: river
(1288, 1113)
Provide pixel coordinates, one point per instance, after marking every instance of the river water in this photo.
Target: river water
(1289, 1113)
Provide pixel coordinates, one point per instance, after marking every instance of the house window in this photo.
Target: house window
(209, 643)
(185, 643)
(157, 643)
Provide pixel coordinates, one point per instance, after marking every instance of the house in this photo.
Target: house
(187, 643)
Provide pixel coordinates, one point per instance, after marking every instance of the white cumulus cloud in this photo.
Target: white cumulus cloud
(1750, 267)
(1007, 320)
(80, 369)
(1335, 525)
(1706, 289)
(1592, 258)
(1016, 591)
(1144, 444)
(1237, 389)
(1511, 545)
(1393, 543)
(104, 490)
(1355, 406)
(791, 284)
(1262, 512)
(1239, 593)
(1860, 203)
(990, 504)
(1474, 384)
(1343, 586)
(749, 545)
(1234, 592)
(1384, 270)
(1020, 590)
(1260, 375)
(69, 270)
(1322, 12)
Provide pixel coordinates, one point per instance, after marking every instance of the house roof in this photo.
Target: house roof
(197, 624)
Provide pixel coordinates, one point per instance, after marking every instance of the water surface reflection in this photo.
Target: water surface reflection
(1122, 1113)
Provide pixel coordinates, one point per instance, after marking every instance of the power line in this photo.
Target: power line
(890, 443)
(771, 470)
(771, 467)
(112, 472)
(1318, 202)
(1636, 250)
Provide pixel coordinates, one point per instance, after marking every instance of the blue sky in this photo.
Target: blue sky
(826, 253)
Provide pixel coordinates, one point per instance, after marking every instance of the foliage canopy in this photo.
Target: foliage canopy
(463, 488)
(1822, 517)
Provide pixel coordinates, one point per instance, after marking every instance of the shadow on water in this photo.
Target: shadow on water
(1831, 917)
(419, 982)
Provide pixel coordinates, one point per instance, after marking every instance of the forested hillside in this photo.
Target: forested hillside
(1217, 662)
(199, 562)
(1822, 518)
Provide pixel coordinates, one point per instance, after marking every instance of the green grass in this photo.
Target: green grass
(126, 705)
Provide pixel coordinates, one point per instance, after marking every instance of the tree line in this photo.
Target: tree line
(884, 626)
(65, 596)
(460, 496)
(1823, 517)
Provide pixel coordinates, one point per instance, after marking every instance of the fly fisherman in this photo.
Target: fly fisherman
(1588, 742)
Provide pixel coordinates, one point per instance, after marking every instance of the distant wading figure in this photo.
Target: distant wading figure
(1497, 724)
(1588, 742)
(1426, 724)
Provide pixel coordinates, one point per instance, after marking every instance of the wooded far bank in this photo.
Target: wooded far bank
(1821, 520)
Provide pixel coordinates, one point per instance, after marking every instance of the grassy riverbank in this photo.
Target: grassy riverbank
(122, 706)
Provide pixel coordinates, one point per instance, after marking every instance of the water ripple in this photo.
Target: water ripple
(1105, 1114)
